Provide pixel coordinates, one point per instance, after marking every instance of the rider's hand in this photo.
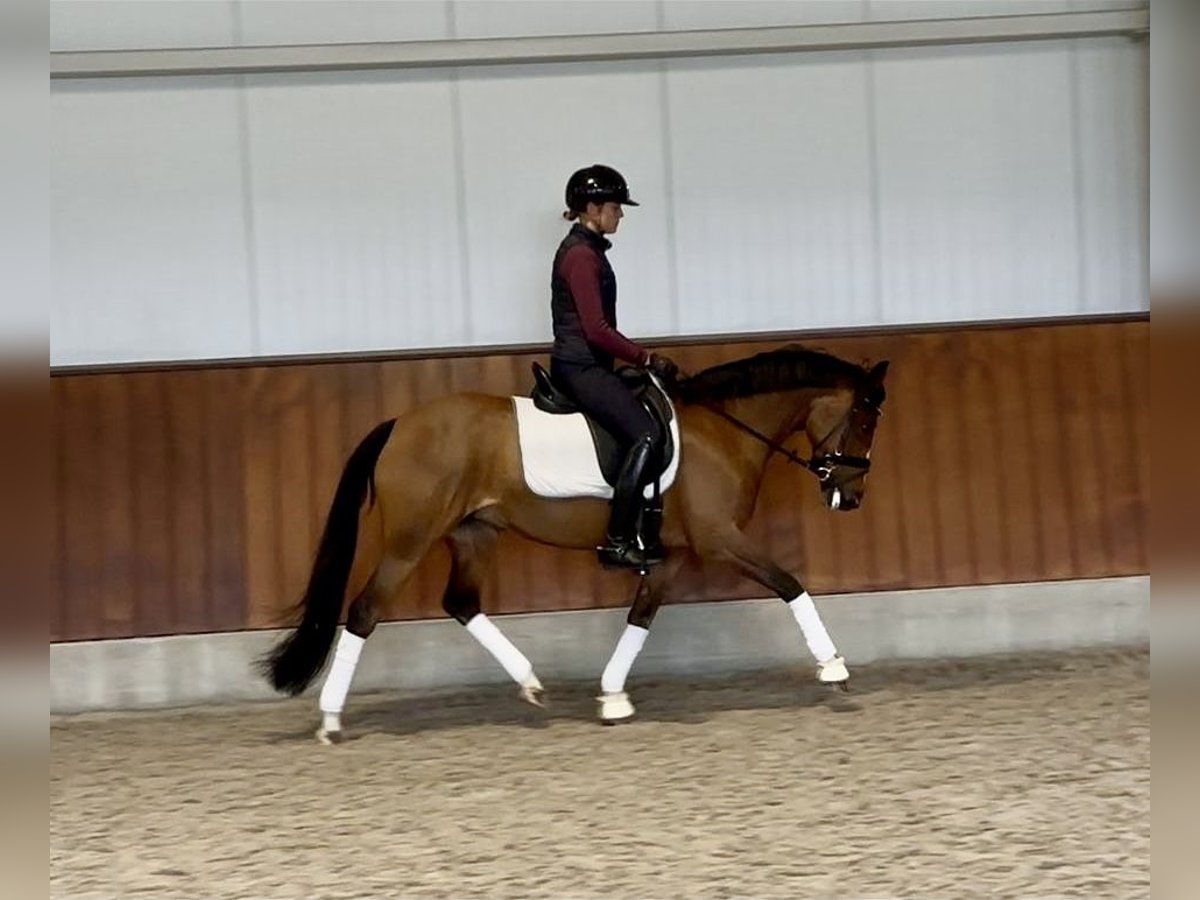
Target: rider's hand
(664, 368)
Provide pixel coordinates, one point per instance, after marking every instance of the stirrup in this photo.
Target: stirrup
(626, 555)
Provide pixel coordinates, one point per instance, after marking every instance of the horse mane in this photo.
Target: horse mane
(785, 368)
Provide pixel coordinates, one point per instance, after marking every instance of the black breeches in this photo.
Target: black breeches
(603, 395)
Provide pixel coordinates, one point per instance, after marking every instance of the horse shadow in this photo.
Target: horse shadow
(687, 699)
(681, 700)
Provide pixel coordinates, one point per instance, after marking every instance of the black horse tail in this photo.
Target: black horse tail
(297, 659)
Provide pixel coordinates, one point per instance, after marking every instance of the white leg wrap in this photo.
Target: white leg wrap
(513, 660)
(627, 650)
(810, 623)
(341, 673)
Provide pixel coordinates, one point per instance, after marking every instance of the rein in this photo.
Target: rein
(820, 465)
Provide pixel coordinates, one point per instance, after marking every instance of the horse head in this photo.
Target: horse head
(841, 432)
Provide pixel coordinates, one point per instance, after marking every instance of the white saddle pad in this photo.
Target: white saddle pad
(558, 455)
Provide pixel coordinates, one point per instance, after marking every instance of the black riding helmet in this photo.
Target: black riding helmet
(596, 184)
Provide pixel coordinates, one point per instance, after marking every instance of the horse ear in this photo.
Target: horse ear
(879, 371)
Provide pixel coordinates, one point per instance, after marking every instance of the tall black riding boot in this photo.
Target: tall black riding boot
(621, 548)
(650, 526)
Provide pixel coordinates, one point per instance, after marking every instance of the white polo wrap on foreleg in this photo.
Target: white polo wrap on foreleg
(810, 623)
(510, 658)
(626, 651)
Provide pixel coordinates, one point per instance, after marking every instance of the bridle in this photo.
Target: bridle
(821, 464)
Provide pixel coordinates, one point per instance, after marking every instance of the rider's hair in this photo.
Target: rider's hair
(570, 215)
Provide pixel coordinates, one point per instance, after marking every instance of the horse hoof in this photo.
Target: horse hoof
(615, 708)
(329, 738)
(833, 671)
(532, 692)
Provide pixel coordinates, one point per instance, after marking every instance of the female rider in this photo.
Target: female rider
(587, 344)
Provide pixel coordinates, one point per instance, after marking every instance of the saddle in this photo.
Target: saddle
(549, 399)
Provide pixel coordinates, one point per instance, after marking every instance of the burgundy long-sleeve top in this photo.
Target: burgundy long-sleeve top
(584, 299)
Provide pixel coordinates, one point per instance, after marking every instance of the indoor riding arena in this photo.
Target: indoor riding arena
(909, 660)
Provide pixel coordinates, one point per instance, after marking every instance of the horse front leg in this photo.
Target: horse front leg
(754, 564)
(614, 703)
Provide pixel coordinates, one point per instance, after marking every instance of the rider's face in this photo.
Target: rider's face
(605, 217)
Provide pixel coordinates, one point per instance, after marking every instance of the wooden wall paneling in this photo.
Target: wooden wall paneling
(913, 418)
(226, 417)
(1015, 505)
(948, 359)
(191, 511)
(1047, 437)
(189, 500)
(82, 558)
(152, 488)
(57, 589)
(915, 454)
(979, 439)
(1132, 356)
(114, 477)
(288, 416)
(266, 599)
(1117, 465)
(1084, 410)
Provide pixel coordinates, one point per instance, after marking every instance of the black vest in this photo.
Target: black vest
(570, 345)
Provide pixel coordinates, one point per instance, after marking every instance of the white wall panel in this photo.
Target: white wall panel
(771, 177)
(341, 21)
(702, 14)
(139, 24)
(697, 15)
(197, 218)
(147, 234)
(125, 25)
(1112, 148)
(976, 179)
(1093, 5)
(355, 212)
(525, 130)
(898, 10)
(521, 18)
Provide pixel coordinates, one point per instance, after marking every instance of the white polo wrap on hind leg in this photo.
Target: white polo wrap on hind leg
(513, 660)
(810, 623)
(341, 672)
(627, 650)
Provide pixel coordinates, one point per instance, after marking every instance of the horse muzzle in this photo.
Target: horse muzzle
(840, 499)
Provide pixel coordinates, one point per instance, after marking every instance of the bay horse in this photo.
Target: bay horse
(450, 470)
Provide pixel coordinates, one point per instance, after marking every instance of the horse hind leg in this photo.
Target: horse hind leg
(361, 620)
(471, 546)
(614, 705)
